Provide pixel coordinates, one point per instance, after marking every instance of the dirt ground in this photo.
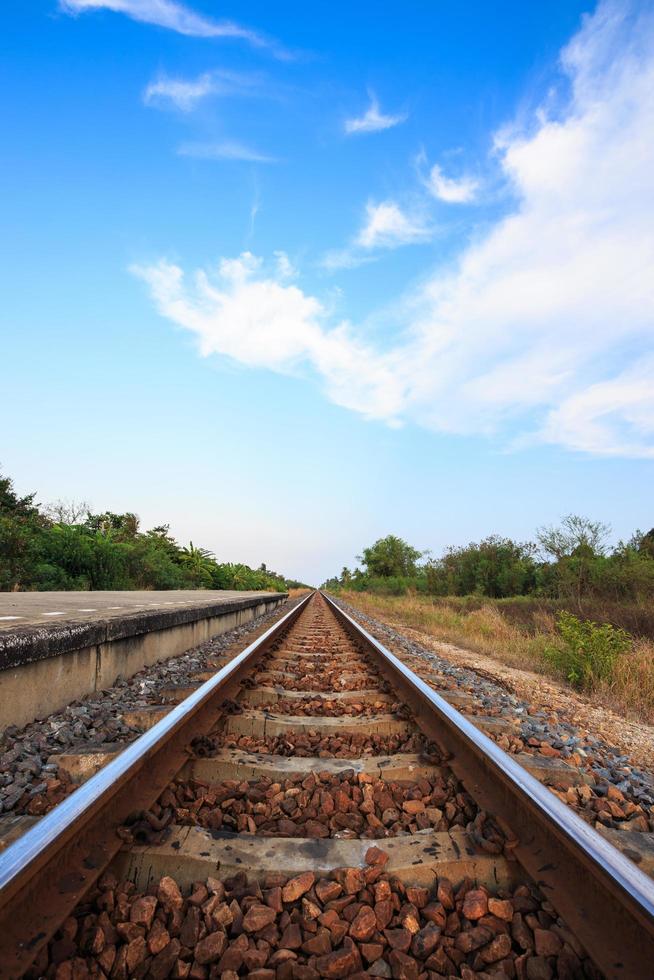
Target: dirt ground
(633, 739)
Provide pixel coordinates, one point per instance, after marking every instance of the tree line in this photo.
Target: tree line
(65, 546)
(570, 561)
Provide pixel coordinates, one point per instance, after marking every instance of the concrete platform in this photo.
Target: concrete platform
(66, 645)
(50, 608)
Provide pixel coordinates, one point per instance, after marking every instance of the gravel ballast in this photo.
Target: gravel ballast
(30, 784)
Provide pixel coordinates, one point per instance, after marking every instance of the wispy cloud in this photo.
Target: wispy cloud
(175, 17)
(461, 190)
(251, 314)
(386, 226)
(544, 328)
(185, 93)
(223, 150)
(373, 120)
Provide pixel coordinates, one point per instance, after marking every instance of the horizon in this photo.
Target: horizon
(291, 285)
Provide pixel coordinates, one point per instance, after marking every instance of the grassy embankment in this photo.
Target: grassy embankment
(616, 666)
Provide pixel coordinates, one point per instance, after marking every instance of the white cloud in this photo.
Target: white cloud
(373, 120)
(610, 418)
(447, 189)
(249, 314)
(173, 16)
(285, 268)
(223, 150)
(185, 93)
(388, 226)
(543, 330)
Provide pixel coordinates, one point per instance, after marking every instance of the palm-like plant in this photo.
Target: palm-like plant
(199, 562)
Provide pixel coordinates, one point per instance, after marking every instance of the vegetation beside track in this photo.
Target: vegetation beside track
(596, 658)
(565, 605)
(67, 547)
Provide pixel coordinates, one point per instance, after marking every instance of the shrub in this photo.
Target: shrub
(589, 652)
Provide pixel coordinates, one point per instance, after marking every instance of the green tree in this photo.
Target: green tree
(121, 527)
(21, 526)
(496, 567)
(646, 543)
(199, 563)
(390, 557)
(576, 545)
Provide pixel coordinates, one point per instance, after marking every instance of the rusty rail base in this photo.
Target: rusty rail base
(603, 897)
(47, 871)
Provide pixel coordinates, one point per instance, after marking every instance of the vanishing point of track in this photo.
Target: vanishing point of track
(300, 756)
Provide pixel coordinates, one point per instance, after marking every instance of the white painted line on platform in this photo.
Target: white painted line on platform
(12, 617)
(91, 609)
(114, 607)
(54, 614)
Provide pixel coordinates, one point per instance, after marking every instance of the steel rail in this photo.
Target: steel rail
(46, 872)
(605, 899)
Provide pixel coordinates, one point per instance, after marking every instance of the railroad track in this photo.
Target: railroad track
(330, 815)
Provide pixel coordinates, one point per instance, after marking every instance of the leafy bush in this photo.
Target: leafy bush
(570, 564)
(589, 652)
(67, 547)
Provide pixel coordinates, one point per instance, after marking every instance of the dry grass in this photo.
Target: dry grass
(296, 593)
(485, 630)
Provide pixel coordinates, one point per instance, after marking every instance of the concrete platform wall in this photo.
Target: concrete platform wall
(61, 665)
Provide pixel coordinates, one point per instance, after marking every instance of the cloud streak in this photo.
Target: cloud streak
(223, 150)
(176, 17)
(184, 94)
(386, 226)
(452, 191)
(543, 330)
(254, 316)
(373, 120)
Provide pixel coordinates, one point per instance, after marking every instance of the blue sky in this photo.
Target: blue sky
(292, 277)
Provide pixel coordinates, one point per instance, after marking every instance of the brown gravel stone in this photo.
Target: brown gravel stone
(383, 913)
(364, 925)
(380, 968)
(547, 943)
(475, 904)
(425, 941)
(473, 938)
(371, 951)
(398, 939)
(375, 856)
(297, 886)
(190, 931)
(379, 928)
(318, 945)
(538, 968)
(143, 909)
(211, 948)
(325, 805)
(339, 964)
(403, 967)
(158, 937)
(164, 961)
(258, 917)
(169, 894)
(497, 949)
(445, 893)
(501, 908)
(327, 890)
